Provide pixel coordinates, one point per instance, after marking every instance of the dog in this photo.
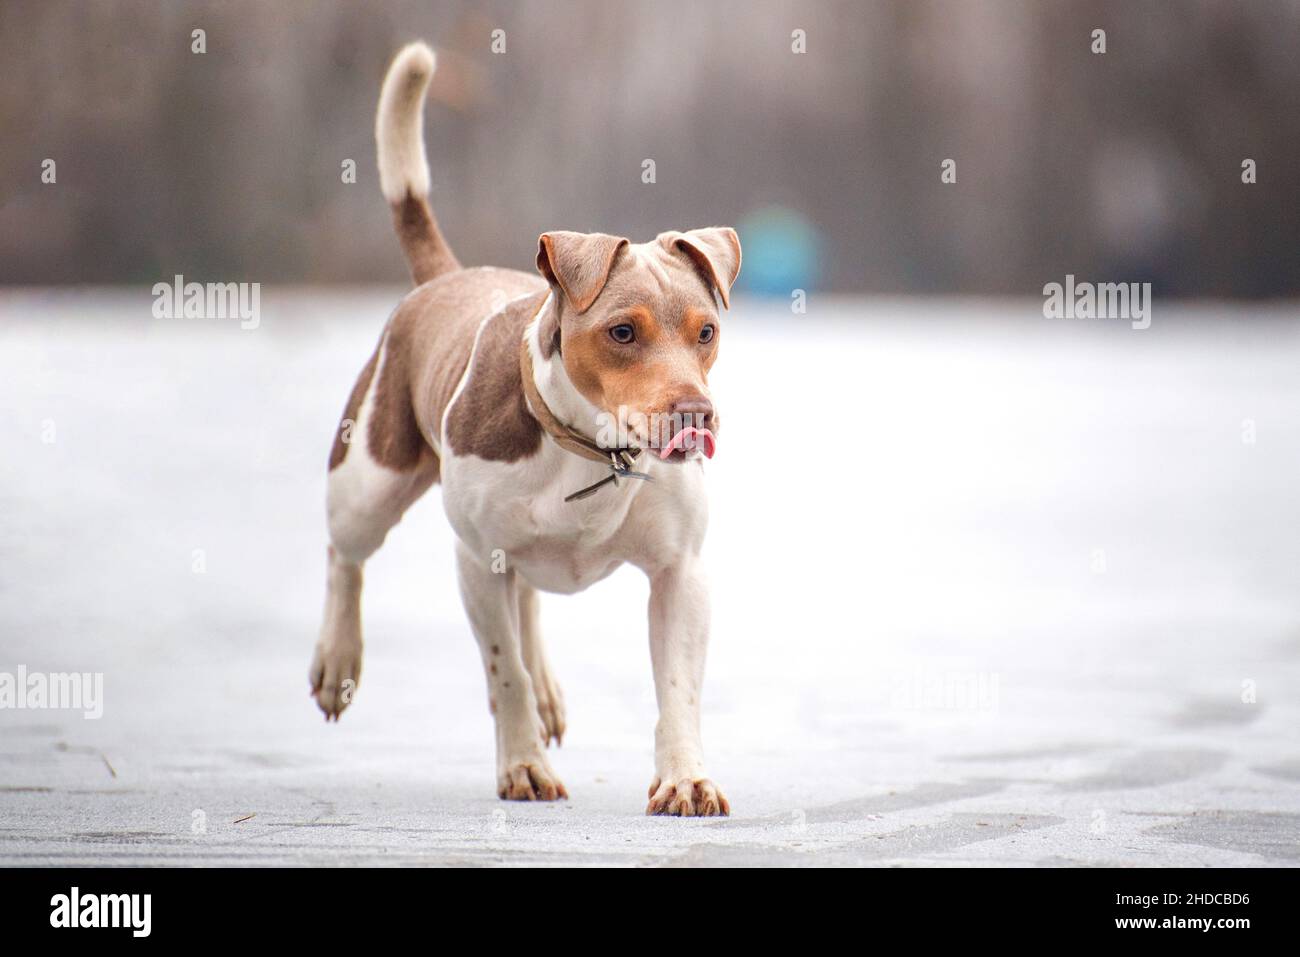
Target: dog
(567, 416)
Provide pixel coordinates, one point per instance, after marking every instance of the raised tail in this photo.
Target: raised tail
(403, 168)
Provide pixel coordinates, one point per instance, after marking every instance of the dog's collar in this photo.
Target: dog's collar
(619, 460)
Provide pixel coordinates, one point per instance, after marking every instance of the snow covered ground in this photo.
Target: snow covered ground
(989, 589)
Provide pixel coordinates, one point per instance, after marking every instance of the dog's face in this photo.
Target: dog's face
(637, 327)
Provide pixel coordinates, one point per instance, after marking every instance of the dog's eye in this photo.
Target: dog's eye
(622, 333)
(706, 334)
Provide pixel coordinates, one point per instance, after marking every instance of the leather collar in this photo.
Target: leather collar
(619, 461)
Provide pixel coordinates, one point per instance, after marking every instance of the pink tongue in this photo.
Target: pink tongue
(691, 438)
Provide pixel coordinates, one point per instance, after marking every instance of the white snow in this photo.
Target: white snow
(989, 588)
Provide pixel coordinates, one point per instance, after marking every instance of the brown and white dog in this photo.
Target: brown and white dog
(614, 336)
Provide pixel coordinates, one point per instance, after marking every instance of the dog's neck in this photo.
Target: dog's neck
(553, 383)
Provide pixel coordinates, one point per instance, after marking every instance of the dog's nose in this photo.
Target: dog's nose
(694, 410)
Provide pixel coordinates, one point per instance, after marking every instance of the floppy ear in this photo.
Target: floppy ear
(579, 263)
(716, 251)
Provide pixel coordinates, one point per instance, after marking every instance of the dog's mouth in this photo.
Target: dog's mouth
(687, 442)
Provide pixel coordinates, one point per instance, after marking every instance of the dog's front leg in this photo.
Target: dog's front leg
(492, 604)
(679, 638)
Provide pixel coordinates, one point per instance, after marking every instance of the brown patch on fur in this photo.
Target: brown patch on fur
(434, 328)
(394, 438)
(490, 418)
(496, 649)
(423, 352)
(339, 451)
(426, 250)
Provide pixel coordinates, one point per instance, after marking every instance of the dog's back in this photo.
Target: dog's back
(426, 345)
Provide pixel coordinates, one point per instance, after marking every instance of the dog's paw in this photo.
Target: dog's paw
(550, 700)
(334, 674)
(531, 780)
(687, 797)
(550, 708)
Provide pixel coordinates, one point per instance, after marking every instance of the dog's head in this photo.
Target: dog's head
(637, 327)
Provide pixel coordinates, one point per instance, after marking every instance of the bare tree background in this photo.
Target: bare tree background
(226, 165)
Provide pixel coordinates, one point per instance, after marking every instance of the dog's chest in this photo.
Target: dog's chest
(514, 516)
(558, 563)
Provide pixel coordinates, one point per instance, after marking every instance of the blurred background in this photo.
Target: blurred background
(227, 165)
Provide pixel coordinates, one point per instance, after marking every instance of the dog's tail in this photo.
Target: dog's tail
(403, 169)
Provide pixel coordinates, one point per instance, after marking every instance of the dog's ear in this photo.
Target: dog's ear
(579, 263)
(715, 251)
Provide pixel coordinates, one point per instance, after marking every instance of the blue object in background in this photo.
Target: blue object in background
(779, 252)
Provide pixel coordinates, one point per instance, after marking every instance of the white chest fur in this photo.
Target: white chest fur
(514, 515)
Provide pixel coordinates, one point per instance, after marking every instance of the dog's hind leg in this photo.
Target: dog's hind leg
(379, 466)
(550, 700)
(492, 603)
